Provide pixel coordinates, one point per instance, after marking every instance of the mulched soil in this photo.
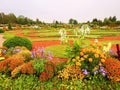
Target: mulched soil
(45, 43)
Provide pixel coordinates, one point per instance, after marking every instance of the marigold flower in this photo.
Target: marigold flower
(85, 56)
(78, 64)
(81, 53)
(77, 57)
(102, 60)
(90, 59)
(73, 59)
(82, 59)
(96, 55)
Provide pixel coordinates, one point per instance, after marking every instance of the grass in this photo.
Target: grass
(8, 35)
(105, 32)
(53, 33)
(57, 50)
(112, 42)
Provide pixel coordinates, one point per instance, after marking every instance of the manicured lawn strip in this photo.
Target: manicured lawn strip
(112, 42)
(8, 35)
(57, 50)
(54, 33)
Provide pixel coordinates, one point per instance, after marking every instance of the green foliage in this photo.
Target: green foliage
(57, 50)
(100, 83)
(38, 65)
(18, 41)
(72, 85)
(73, 21)
(2, 31)
(72, 51)
(24, 82)
(9, 26)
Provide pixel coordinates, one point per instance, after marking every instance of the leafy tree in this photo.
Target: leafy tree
(73, 21)
(11, 18)
(38, 21)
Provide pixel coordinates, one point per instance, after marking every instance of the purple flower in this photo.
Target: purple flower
(103, 74)
(85, 71)
(16, 50)
(95, 72)
(4, 51)
(42, 52)
(101, 69)
(33, 54)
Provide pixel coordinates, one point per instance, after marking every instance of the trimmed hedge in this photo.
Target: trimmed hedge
(18, 41)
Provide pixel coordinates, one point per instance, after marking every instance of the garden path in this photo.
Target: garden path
(1, 39)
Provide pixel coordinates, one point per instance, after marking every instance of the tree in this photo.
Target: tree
(114, 19)
(73, 21)
(11, 18)
(38, 21)
(107, 21)
(20, 19)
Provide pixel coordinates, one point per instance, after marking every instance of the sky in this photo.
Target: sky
(62, 10)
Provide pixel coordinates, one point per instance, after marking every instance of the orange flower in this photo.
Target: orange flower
(102, 60)
(85, 56)
(28, 68)
(81, 53)
(112, 66)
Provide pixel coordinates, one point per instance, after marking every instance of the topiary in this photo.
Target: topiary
(18, 41)
(2, 31)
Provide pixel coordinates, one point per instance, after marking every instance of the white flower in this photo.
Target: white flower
(84, 30)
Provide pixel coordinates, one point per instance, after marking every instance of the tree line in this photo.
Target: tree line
(11, 18)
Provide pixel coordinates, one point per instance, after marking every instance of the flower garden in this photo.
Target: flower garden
(81, 64)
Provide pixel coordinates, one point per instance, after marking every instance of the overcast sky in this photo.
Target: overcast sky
(62, 10)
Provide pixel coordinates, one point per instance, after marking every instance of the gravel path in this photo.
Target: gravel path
(1, 39)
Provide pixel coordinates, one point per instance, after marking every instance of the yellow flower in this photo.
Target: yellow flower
(102, 55)
(81, 59)
(73, 59)
(97, 51)
(95, 68)
(78, 64)
(96, 55)
(77, 57)
(90, 59)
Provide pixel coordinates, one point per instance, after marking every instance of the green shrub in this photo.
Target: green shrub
(38, 65)
(2, 31)
(9, 26)
(18, 41)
